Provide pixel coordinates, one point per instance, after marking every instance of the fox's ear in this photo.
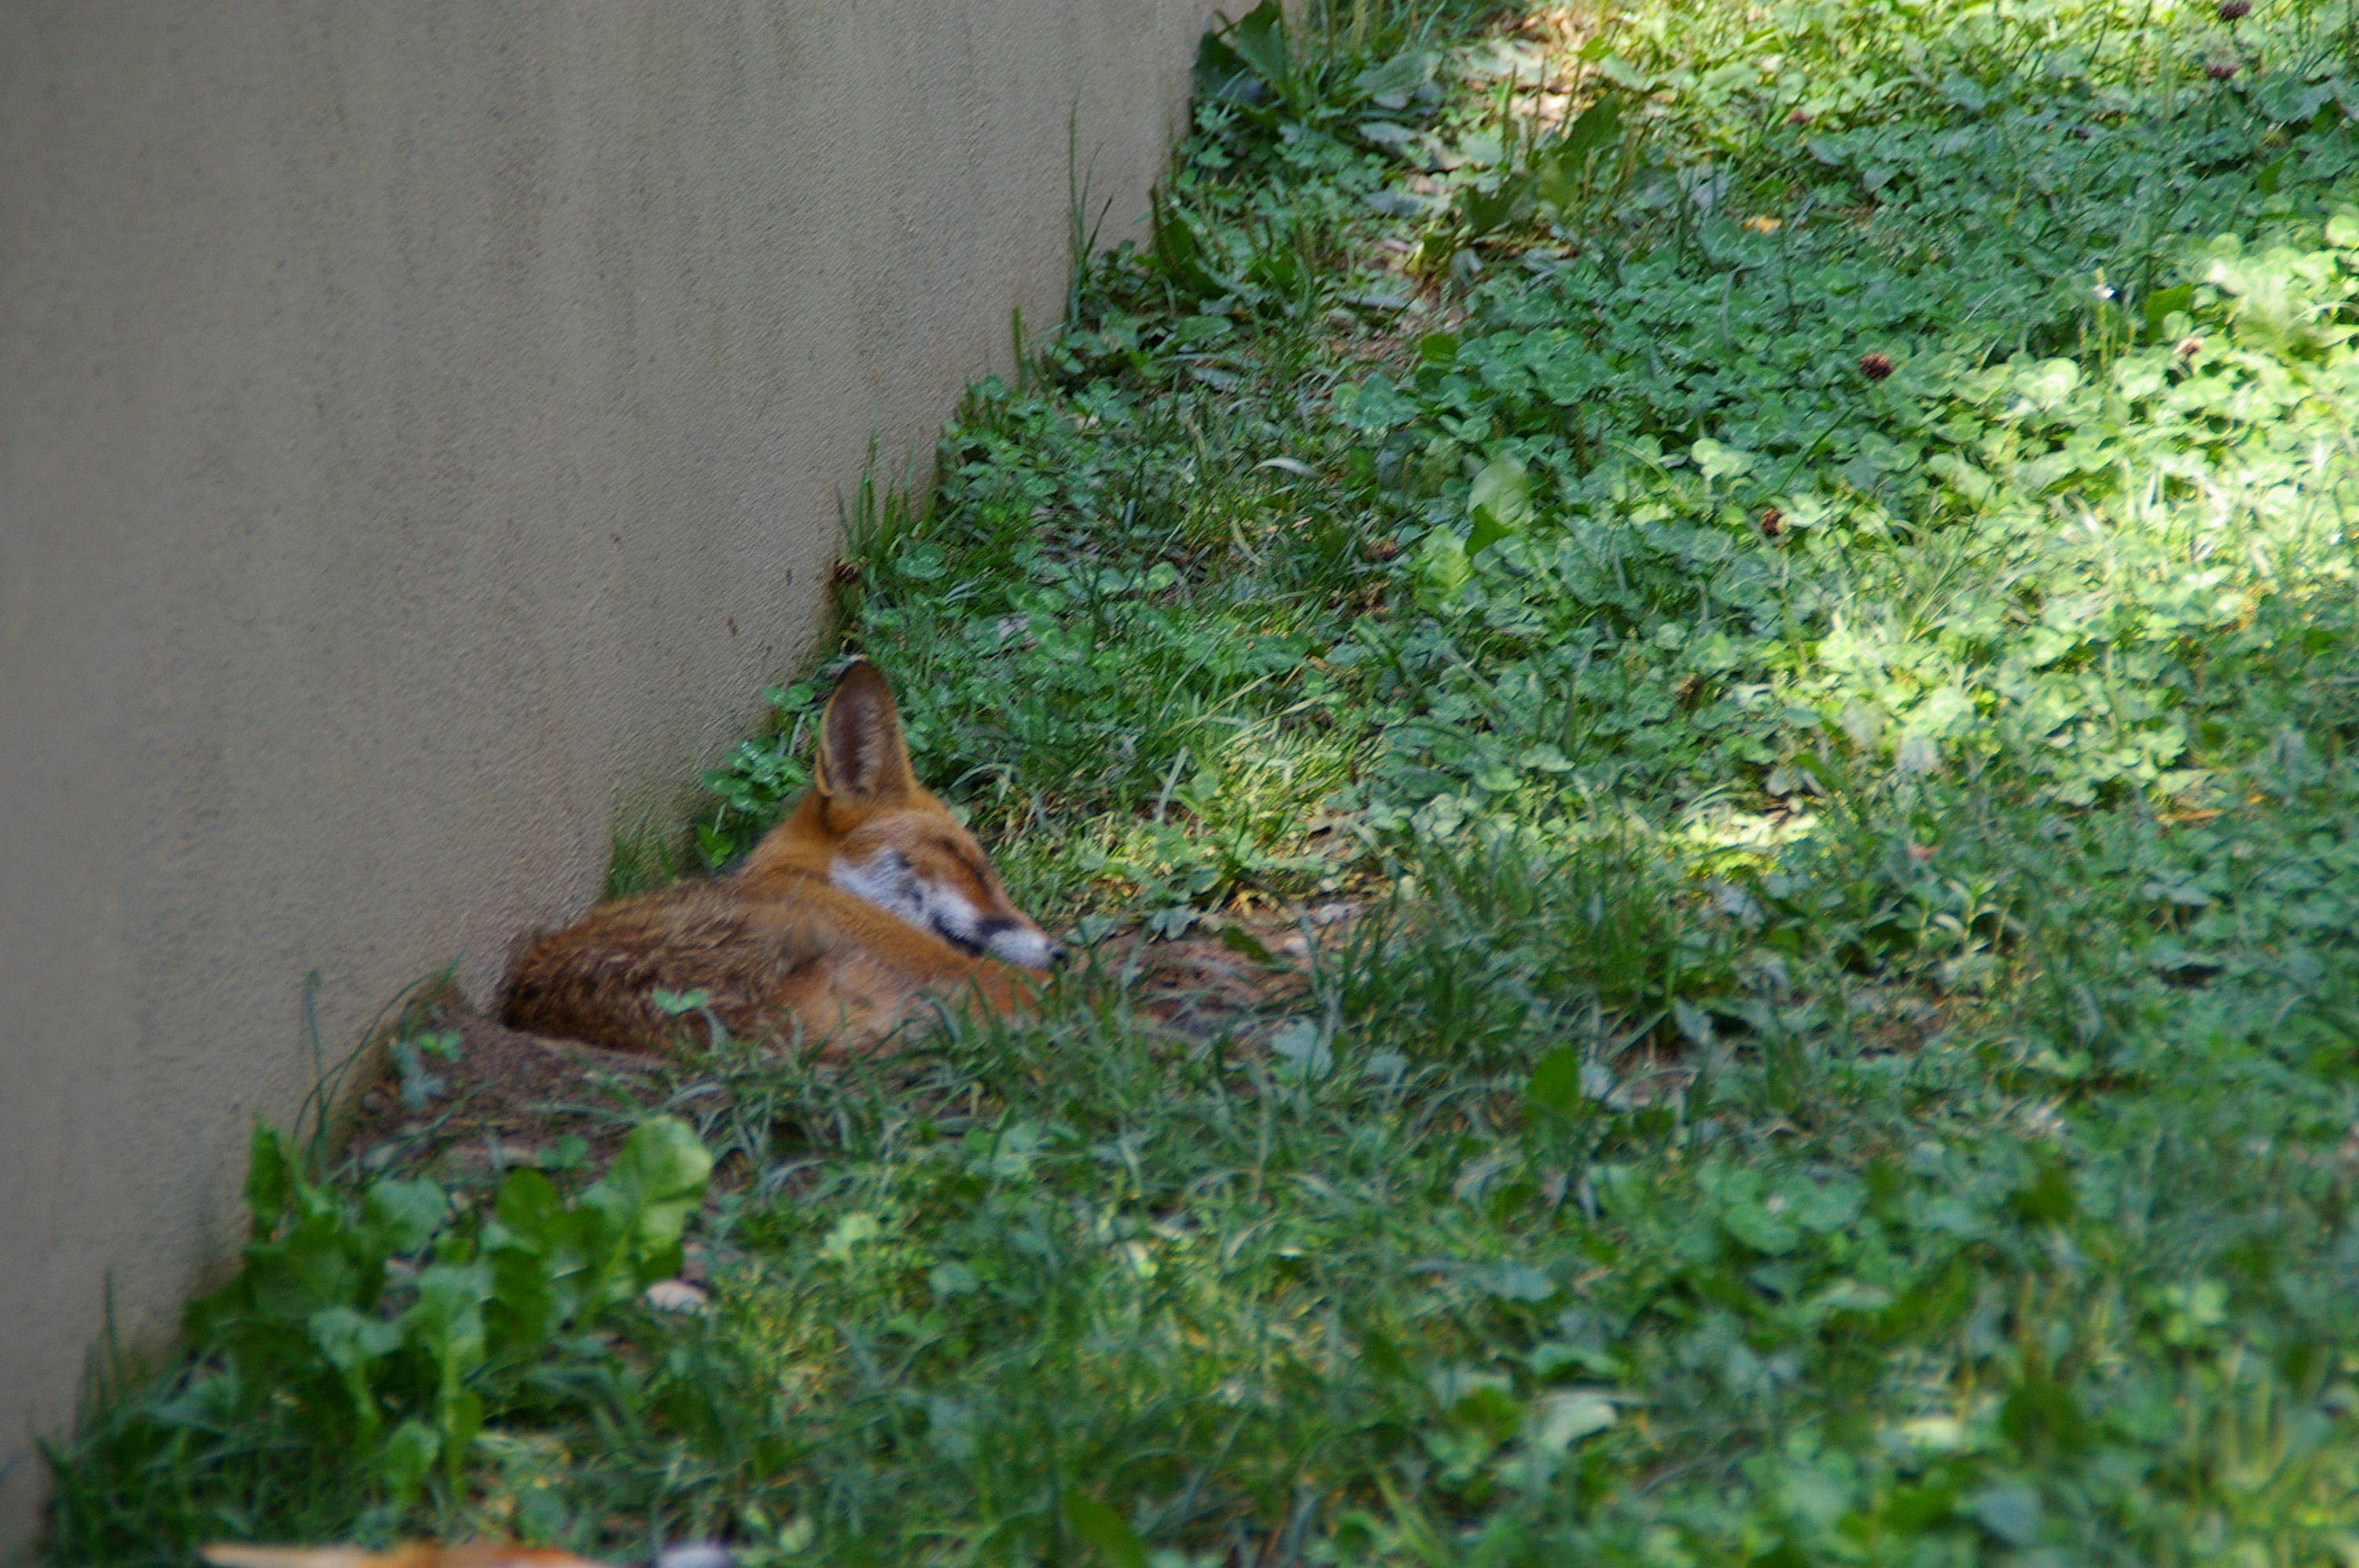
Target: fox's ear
(862, 762)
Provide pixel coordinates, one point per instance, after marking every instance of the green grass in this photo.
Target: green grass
(1850, 1057)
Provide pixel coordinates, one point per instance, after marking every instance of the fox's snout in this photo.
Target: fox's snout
(1022, 944)
(950, 898)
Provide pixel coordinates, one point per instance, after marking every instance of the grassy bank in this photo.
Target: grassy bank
(1791, 563)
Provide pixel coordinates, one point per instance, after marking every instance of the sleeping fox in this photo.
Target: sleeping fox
(865, 902)
(425, 1554)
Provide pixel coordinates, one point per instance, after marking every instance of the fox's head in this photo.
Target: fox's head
(893, 844)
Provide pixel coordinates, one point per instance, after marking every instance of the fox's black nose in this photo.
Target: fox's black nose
(1056, 953)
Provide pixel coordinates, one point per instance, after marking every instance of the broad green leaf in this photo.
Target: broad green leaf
(1622, 1190)
(2011, 1513)
(446, 1320)
(1303, 1057)
(319, 1262)
(644, 1201)
(1222, 73)
(1555, 1082)
(409, 1451)
(1622, 74)
(527, 1210)
(2160, 304)
(1486, 1406)
(1237, 939)
(1177, 251)
(351, 1339)
(1824, 1207)
(538, 1250)
(1511, 1281)
(1500, 502)
(1374, 405)
(1486, 211)
(1105, 1528)
(1564, 1419)
(1391, 84)
(1967, 480)
(461, 1413)
(270, 1178)
(2047, 1198)
(678, 1004)
(1382, 1355)
(403, 1214)
(1718, 461)
(2043, 1418)
(351, 1342)
(852, 1230)
(1594, 129)
(2286, 97)
(1259, 40)
(2048, 382)
(1759, 1229)
(1442, 568)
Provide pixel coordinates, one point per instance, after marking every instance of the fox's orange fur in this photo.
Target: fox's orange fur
(429, 1554)
(417, 1554)
(866, 900)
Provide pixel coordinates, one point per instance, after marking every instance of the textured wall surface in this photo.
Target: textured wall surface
(421, 428)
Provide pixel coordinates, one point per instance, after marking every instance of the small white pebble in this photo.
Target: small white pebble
(677, 1295)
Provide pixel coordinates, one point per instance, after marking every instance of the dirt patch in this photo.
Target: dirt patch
(1227, 973)
(502, 1097)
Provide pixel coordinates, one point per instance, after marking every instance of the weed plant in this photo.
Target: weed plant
(1793, 558)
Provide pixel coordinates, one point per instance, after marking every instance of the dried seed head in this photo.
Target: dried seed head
(1773, 523)
(1380, 549)
(1875, 367)
(2220, 69)
(2188, 347)
(1797, 117)
(2235, 10)
(846, 572)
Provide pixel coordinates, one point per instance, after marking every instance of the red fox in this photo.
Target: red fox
(425, 1554)
(866, 900)
(428, 1554)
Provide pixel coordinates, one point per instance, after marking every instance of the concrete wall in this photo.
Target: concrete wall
(421, 428)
